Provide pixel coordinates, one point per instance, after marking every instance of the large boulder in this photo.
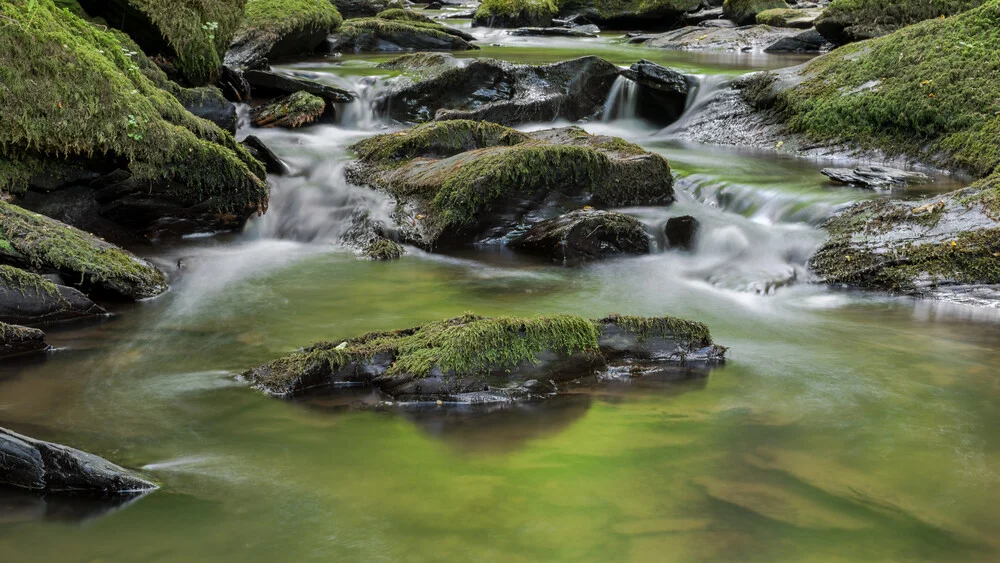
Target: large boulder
(398, 30)
(193, 34)
(478, 359)
(498, 91)
(29, 298)
(744, 12)
(630, 14)
(85, 110)
(460, 181)
(584, 235)
(515, 13)
(663, 92)
(55, 469)
(273, 29)
(33, 241)
(844, 21)
(20, 340)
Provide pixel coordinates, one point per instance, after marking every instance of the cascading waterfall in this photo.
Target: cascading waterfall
(622, 102)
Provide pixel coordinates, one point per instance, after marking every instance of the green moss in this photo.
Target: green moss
(404, 15)
(985, 193)
(383, 249)
(532, 9)
(439, 139)
(291, 111)
(629, 9)
(744, 12)
(929, 91)
(272, 19)
(44, 244)
(861, 19)
(25, 282)
(73, 6)
(72, 89)
(389, 27)
(688, 333)
(777, 17)
(15, 334)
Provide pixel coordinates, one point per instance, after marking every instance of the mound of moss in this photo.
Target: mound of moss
(744, 12)
(301, 108)
(845, 21)
(18, 340)
(398, 30)
(35, 242)
(73, 92)
(474, 353)
(281, 28)
(515, 13)
(460, 180)
(644, 13)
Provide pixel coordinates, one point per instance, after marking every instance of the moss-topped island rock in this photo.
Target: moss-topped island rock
(272, 29)
(479, 359)
(16, 340)
(398, 30)
(629, 14)
(515, 13)
(744, 12)
(461, 181)
(844, 21)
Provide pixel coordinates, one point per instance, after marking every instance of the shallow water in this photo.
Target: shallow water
(846, 426)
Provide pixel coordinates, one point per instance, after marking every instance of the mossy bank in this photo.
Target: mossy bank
(844, 21)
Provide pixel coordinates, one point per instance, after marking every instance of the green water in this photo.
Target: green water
(845, 427)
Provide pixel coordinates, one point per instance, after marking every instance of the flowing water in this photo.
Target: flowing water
(846, 426)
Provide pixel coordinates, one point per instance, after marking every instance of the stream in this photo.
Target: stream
(846, 426)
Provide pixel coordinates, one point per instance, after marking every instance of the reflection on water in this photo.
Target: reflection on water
(18, 505)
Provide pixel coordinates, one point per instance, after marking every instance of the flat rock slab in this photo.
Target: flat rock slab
(751, 38)
(270, 84)
(580, 31)
(875, 177)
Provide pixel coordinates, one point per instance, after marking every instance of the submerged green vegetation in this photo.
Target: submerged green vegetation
(852, 20)
(72, 89)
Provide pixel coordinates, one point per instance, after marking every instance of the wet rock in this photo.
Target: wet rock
(233, 85)
(583, 236)
(367, 237)
(806, 42)
(681, 231)
(265, 155)
(41, 244)
(790, 17)
(503, 92)
(632, 14)
(30, 298)
(458, 182)
(744, 12)
(397, 34)
(707, 14)
(267, 84)
(271, 30)
(293, 111)
(754, 38)
(364, 8)
(17, 341)
(875, 177)
(724, 24)
(52, 468)
(519, 13)
(208, 103)
(581, 31)
(434, 6)
(663, 92)
(465, 358)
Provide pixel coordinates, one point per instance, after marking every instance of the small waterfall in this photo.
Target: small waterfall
(361, 114)
(708, 87)
(622, 102)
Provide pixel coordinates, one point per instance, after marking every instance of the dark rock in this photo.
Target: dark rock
(695, 18)
(16, 341)
(875, 177)
(722, 24)
(261, 40)
(584, 235)
(632, 14)
(289, 112)
(744, 12)
(581, 31)
(208, 103)
(434, 6)
(23, 505)
(380, 34)
(30, 298)
(363, 8)
(806, 42)
(663, 92)
(52, 468)
(681, 231)
(367, 237)
(503, 92)
(265, 155)
(233, 85)
(267, 84)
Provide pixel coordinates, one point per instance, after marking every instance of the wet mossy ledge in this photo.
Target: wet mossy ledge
(515, 13)
(27, 297)
(642, 14)
(479, 359)
(844, 21)
(460, 181)
(16, 340)
(84, 107)
(398, 30)
(274, 29)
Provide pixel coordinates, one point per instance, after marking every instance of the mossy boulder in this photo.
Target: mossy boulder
(844, 21)
(479, 359)
(191, 33)
(397, 30)
(18, 340)
(584, 235)
(368, 238)
(273, 29)
(515, 13)
(301, 108)
(499, 91)
(84, 108)
(798, 18)
(29, 298)
(365, 8)
(620, 14)
(744, 12)
(35, 242)
(462, 181)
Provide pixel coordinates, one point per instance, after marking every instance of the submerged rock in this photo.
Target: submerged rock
(584, 235)
(273, 29)
(502, 92)
(17, 341)
(844, 21)
(30, 298)
(52, 468)
(391, 31)
(492, 359)
(293, 111)
(875, 177)
(459, 181)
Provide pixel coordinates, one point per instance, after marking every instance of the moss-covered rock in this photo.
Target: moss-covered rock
(473, 358)
(744, 12)
(79, 98)
(29, 298)
(460, 181)
(845, 21)
(193, 33)
(301, 108)
(32, 241)
(19, 340)
(787, 17)
(274, 29)
(630, 13)
(498, 91)
(515, 13)
(399, 30)
(365, 8)
(584, 235)
(383, 249)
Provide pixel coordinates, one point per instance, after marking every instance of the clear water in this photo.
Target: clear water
(846, 427)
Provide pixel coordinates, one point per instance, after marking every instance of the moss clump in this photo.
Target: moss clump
(362, 33)
(383, 249)
(71, 89)
(518, 12)
(437, 139)
(688, 333)
(405, 15)
(844, 21)
(47, 245)
(299, 109)
(16, 339)
(270, 20)
(744, 12)
(642, 10)
(24, 283)
(777, 17)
